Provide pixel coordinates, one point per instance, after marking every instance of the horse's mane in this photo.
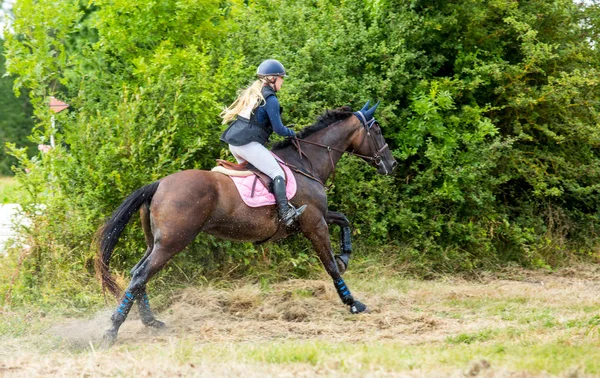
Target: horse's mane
(324, 120)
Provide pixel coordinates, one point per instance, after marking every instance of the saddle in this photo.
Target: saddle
(240, 174)
(243, 170)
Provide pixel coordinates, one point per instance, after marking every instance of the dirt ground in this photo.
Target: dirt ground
(239, 332)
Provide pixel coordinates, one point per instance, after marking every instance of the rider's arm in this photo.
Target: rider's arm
(275, 118)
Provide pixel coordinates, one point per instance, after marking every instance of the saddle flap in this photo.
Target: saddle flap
(233, 166)
(245, 166)
(255, 192)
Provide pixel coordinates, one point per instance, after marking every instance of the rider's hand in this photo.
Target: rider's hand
(293, 133)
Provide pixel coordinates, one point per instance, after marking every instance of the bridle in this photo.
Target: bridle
(376, 158)
(368, 125)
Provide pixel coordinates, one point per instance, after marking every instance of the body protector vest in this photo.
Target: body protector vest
(245, 130)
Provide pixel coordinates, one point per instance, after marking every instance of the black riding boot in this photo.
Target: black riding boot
(287, 212)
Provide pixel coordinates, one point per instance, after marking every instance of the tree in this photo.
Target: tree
(16, 122)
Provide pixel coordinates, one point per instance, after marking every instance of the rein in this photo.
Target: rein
(375, 158)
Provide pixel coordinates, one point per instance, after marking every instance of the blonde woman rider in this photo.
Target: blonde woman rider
(256, 113)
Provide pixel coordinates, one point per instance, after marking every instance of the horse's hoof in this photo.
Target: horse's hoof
(156, 324)
(357, 307)
(109, 338)
(341, 264)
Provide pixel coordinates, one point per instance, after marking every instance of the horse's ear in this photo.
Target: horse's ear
(366, 107)
(369, 113)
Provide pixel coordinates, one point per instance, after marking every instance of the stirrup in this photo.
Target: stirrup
(292, 214)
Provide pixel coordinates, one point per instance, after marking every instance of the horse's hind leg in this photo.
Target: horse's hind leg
(179, 209)
(161, 253)
(147, 227)
(143, 302)
(146, 313)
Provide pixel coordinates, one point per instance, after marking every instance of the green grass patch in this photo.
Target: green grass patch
(363, 358)
(509, 334)
(552, 357)
(593, 323)
(490, 305)
(22, 323)
(10, 190)
(470, 338)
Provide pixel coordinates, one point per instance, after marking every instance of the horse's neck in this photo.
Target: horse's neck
(338, 137)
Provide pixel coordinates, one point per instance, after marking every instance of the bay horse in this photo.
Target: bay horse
(174, 209)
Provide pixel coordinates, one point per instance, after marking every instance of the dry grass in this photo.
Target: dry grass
(517, 324)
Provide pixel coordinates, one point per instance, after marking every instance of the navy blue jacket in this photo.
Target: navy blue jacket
(264, 120)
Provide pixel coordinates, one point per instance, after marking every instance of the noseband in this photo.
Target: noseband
(377, 159)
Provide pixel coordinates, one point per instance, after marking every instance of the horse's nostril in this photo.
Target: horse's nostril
(394, 165)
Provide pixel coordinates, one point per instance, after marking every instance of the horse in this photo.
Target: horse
(176, 208)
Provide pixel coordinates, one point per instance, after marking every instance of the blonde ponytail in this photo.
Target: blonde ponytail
(250, 97)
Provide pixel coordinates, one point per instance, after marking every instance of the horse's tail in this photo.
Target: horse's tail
(108, 234)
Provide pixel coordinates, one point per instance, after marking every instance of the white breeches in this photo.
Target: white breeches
(257, 155)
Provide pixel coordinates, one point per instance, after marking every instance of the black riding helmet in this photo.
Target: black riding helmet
(271, 67)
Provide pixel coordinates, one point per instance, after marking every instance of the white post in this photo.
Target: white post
(52, 131)
(56, 106)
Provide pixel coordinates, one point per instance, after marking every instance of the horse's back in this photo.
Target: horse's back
(199, 200)
(190, 187)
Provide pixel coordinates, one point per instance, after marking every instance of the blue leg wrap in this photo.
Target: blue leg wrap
(124, 307)
(143, 300)
(343, 291)
(146, 313)
(126, 304)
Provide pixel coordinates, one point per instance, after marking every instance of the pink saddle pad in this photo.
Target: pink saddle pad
(262, 196)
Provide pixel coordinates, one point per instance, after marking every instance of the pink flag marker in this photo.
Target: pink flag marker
(57, 106)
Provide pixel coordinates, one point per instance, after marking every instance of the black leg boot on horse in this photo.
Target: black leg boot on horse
(287, 212)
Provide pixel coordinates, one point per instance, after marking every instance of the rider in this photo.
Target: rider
(256, 113)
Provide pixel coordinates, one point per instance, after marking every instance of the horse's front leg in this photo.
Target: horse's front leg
(318, 234)
(342, 260)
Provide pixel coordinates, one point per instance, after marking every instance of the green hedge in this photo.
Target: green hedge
(491, 108)
(15, 122)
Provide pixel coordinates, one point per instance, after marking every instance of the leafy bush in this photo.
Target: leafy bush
(490, 106)
(15, 123)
